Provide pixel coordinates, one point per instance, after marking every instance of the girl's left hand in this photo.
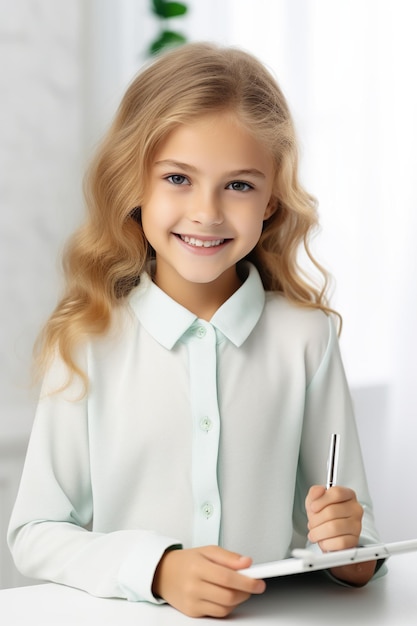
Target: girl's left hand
(335, 523)
(334, 518)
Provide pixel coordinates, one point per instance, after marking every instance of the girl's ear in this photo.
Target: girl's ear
(271, 207)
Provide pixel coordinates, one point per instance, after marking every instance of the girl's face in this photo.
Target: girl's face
(208, 195)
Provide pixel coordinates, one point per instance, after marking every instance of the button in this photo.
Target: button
(205, 424)
(201, 332)
(207, 509)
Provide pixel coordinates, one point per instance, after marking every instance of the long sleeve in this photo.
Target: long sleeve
(50, 532)
(328, 408)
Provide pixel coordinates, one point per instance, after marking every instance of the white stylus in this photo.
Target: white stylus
(333, 461)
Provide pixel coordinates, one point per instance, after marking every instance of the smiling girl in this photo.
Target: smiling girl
(209, 195)
(192, 374)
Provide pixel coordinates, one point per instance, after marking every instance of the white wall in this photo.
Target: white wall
(40, 153)
(40, 138)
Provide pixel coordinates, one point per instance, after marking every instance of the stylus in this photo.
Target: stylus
(333, 461)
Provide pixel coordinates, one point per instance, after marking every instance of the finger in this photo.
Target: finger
(335, 495)
(226, 597)
(342, 542)
(315, 492)
(339, 494)
(335, 529)
(226, 578)
(223, 557)
(213, 609)
(344, 510)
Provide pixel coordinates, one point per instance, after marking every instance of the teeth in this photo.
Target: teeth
(199, 243)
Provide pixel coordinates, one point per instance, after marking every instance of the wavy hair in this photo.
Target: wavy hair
(105, 257)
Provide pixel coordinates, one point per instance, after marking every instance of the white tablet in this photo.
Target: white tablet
(308, 561)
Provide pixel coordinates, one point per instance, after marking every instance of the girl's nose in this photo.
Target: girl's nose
(206, 210)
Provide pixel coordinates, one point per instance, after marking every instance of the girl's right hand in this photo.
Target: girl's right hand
(204, 581)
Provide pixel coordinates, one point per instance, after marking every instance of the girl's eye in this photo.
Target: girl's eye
(239, 185)
(178, 179)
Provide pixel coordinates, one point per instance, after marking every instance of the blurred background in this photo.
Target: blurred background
(347, 68)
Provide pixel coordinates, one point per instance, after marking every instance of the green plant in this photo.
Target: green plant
(167, 38)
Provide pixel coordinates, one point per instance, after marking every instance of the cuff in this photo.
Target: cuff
(137, 571)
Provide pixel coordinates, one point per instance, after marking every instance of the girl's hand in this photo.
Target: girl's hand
(204, 581)
(335, 523)
(334, 518)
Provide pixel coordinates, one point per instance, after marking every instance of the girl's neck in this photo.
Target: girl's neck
(202, 299)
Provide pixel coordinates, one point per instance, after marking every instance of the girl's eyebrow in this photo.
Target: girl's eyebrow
(192, 168)
(248, 172)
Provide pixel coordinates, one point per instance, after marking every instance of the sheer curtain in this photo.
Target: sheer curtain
(347, 68)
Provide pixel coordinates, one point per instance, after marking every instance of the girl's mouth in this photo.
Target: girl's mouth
(201, 243)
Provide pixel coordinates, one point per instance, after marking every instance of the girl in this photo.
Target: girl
(192, 375)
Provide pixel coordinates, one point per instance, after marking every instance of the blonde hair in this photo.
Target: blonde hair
(105, 257)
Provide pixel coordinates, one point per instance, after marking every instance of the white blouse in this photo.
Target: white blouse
(191, 433)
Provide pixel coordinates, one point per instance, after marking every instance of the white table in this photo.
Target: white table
(304, 599)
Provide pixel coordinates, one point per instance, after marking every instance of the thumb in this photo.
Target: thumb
(223, 557)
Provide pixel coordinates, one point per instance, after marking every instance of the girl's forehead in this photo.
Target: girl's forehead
(221, 135)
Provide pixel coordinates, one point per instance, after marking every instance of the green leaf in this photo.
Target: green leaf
(165, 9)
(167, 39)
(157, 7)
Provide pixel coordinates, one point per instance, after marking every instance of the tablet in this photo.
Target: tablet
(309, 561)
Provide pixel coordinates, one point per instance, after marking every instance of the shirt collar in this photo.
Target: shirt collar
(238, 316)
(167, 321)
